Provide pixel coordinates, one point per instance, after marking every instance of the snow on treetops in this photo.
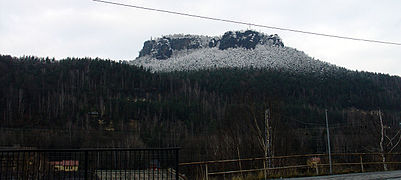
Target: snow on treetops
(261, 56)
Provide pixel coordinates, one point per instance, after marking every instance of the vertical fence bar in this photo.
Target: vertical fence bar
(30, 164)
(143, 154)
(24, 164)
(76, 164)
(144, 159)
(67, 161)
(134, 164)
(131, 165)
(38, 173)
(9, 165)
(1, 165)
(121, 164)
(114, 169)
(18, 164)
(139, 154)
(109, 162)
(147, 164)
(6, 166)
(42, 161)
(206, 172)
(101, 165)
(86, 165)
(153, 164)
(170, 161)
(51, 166)
(118, 164)
(59, 158)
(90, 161)
(107, 165)
(12, 166)
(126, 166)
(161, 164)
(82, 165)
(157, 157)
(159, 168)
(33, 165)
(177, 161)
(123, 159)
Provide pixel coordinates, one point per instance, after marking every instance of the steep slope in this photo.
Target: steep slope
(263, 56)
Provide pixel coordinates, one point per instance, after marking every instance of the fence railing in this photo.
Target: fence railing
(85, 164)
(309, 164)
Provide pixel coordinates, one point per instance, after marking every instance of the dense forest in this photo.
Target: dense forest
(211, 114)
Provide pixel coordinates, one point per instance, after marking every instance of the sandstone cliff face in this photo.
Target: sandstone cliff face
(248, 39)
(163, 48)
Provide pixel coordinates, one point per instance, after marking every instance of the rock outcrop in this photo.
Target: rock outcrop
(248, 39)
(163, 48)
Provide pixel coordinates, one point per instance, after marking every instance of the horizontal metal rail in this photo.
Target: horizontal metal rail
(292, 167)
(280, 157)
(88, 149)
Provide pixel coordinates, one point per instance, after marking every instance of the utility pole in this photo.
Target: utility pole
(267, 143)
(328, 143)
(381, 141)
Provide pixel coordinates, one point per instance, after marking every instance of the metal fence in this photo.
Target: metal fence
(292, 165)
(96, 164)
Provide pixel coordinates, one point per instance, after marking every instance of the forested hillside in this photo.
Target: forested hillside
(211, 113)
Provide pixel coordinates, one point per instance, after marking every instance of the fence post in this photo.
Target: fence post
(86, 165)
(264, 167)
(206, 172)
(360, 157)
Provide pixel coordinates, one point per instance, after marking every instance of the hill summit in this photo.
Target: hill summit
(234, 49)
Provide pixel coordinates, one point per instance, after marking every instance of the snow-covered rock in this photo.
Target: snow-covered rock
(162, 48)
(263, 56)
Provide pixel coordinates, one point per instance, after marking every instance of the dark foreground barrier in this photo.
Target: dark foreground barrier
(96, 164)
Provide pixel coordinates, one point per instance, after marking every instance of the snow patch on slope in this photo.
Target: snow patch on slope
(262, 57)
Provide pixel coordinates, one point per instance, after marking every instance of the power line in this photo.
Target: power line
(249, 24)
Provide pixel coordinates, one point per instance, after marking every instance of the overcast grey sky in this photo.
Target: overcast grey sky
(84, 28)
